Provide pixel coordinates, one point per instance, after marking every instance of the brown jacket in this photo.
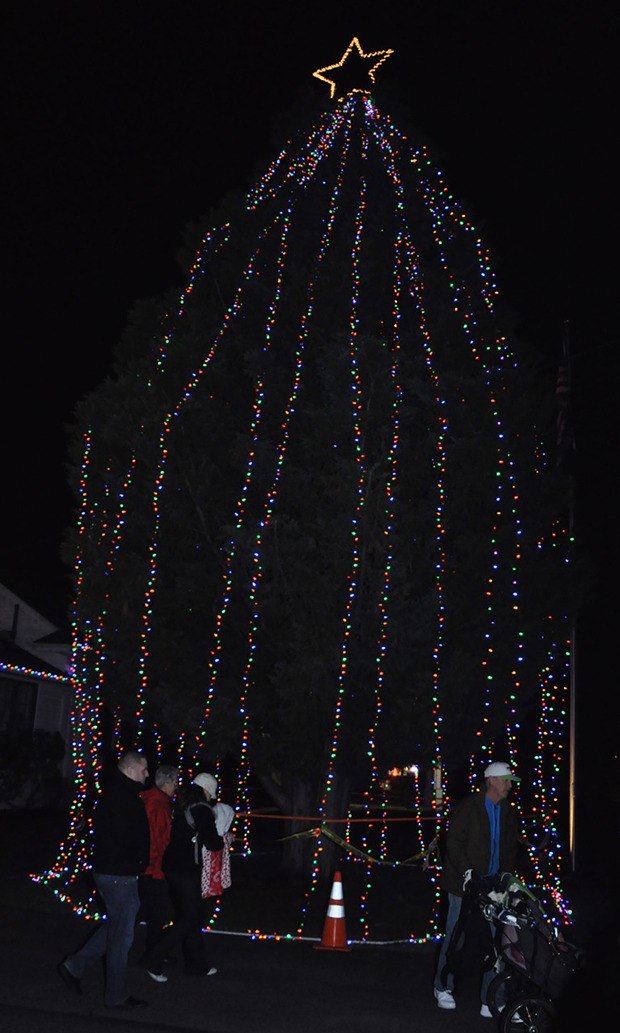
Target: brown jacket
(469, 841)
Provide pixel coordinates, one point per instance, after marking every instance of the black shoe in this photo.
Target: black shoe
(129, 1004)
(69, 979)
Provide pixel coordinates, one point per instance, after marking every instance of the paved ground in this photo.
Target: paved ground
(261, 986)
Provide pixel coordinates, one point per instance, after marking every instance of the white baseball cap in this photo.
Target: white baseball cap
(500, 770)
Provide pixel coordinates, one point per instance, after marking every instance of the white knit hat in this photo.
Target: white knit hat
(206, 782)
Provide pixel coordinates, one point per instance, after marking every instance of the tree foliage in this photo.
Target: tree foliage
(322, 449)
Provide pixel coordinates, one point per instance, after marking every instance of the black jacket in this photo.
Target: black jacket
(121, 828)
(183, 854)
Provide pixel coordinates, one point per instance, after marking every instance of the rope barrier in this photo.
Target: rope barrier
(526, 839)
(331, 821)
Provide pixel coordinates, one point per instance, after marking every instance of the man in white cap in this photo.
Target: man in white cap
(482, 839)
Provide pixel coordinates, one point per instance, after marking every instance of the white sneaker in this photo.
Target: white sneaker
(445, 999)
(485, 1012)
(159, 977)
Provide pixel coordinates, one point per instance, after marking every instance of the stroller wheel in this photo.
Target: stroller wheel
(526, 1014)
(502, 988)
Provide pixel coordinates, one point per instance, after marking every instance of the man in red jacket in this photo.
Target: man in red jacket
(155, 902)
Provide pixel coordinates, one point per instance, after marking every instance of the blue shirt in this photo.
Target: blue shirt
(493, 811)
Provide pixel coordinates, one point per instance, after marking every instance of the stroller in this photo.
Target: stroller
(534, 964)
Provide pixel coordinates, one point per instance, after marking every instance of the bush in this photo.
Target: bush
(29, 768)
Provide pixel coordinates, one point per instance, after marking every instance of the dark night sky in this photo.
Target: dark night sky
(125, 121)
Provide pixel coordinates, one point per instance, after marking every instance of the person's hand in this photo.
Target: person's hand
(467, 877)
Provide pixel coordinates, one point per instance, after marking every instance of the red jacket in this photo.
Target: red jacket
(158, 806)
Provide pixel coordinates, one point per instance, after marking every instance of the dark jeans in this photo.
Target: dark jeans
(155, 908)
(113, 938)
(187, 927)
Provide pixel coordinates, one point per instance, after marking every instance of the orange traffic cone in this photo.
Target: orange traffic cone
(334, 931)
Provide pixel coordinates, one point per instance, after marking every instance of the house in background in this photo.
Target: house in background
(35, 690)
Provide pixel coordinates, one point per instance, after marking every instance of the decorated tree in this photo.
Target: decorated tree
(319, 522)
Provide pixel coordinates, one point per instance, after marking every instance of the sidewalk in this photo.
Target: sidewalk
(262, 986)
(275, 986)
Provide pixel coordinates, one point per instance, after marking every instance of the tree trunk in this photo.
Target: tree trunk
(297, 853)
(336, 807)
(299, 798)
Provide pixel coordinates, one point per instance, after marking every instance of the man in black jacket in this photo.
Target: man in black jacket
(482, 840)
(120, 854)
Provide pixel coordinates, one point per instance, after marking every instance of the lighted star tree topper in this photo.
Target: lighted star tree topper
(356, 70)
